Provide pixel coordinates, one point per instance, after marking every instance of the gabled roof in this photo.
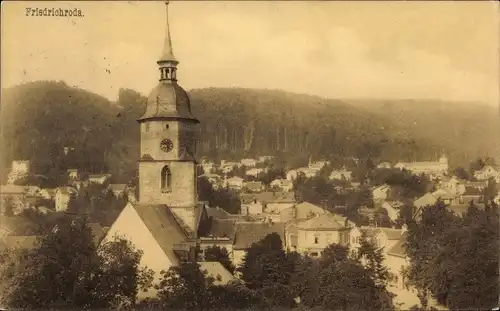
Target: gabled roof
(305, 210)
(425, 200)
(217, 212)
(235, 178)
(216, 270)
(162, 224)
(399, 249)
(221, 228)
(248, 233)
(322, 222)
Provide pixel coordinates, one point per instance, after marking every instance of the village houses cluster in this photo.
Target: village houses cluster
(169, 224)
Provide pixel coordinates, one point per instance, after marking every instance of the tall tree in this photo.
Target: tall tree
(219, 254)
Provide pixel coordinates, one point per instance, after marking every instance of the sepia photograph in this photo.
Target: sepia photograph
(250, 155)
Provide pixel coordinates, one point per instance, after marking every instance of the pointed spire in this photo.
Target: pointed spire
(168, 53)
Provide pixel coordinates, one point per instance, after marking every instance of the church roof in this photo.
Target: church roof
(162, 224)
(252, 232)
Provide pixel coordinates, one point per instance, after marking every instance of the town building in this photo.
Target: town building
(62, 198)
(433, 169)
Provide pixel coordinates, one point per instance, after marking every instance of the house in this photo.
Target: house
(99, 178)
(254, 172)
(386, 165)
(312, 236)
(382, 238)
(272, 202)
(248, 233)
(318, 165)
(486, 173)
(228, 167)
(72, 173)
(252, 208)
(235, 183)
(208, 167)
(341, 175)
(282, 184)
(62, 197)
(262, 159)
(166, 235)
(13, 197)
(453, 185)
(248, 162)
(217, 232)
(480, 185)
(309, 172)
(253, 186)
(392, 208)
(301, 211)
(433, 169)
(118, 190)
(472, 195)
(381, 193)
(461, 209)
(397, 261)
(446, 196)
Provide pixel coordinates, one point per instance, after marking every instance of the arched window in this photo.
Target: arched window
(166, 179)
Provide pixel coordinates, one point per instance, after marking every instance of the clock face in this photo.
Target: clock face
(166, 145)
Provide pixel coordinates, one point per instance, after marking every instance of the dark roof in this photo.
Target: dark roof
(162, 224)
(252, 232)
(217, 212)
(399, 249)
(221, 228)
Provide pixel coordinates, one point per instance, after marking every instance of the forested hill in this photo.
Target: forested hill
(39, 119)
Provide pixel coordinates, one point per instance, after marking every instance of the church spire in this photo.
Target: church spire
(167, 62)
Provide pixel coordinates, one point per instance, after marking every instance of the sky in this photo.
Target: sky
(444, 50)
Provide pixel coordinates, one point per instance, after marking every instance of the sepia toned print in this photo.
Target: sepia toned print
(250, 155)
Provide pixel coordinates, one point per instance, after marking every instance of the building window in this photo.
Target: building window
(166, 179)
(316, 240)
(357, 240)
(314, 254)
(166, 126)
(146, 127)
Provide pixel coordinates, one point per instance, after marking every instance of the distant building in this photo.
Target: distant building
(62, 198)
(486, 173)
(72, 173)
(248, 162)
(381, 193)
(99, 178)
(382, 238)
(386, 165)
(20, 169)
(393, 209)
(282, 184)
(432, 169)
(341, 175)
(119, 190)
(254, 172)
(253, 186)
(235, 183)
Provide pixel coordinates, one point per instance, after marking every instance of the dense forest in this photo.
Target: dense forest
(39, 119)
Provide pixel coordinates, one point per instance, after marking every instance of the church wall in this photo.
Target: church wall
(130, 226)
(183, 191)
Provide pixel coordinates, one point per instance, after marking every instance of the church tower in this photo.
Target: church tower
(167, 167)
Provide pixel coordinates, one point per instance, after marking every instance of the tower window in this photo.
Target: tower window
(166, 126)
(166, 180)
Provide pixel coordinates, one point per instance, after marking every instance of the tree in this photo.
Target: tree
(186, 287)
(373, 258)
(219, 254)
(67, 271)
(491, 191)
(265, 269)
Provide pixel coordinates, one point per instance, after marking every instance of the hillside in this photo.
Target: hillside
(40, 118)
